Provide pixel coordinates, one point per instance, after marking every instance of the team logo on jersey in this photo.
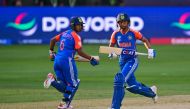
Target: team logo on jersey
(129, 37)
(182, 24)
(118, 37)
(26, 29)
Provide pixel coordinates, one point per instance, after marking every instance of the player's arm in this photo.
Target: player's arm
(83, 54)
(93, 61)
(151, 52)
(52, 43)
(51, 47)
(78, 48)
(146, 42)
(112, 40)
(112, 44)
(139, 36)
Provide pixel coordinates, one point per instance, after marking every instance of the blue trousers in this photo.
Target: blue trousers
(128, 68)
(67, 77)
(66, 71)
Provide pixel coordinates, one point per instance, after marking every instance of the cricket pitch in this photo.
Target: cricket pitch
(164, 102)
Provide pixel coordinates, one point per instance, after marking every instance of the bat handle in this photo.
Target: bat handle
(143, 54)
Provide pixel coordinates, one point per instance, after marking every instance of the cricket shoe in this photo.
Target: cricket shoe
(50, 78)
(63, 105)
(154, 89)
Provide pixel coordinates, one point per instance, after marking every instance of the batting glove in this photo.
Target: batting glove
(112, 55)
(151, 53)
(52, 55)
(93, 61)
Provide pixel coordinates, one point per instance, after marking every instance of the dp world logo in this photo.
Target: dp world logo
(182, 24)
(26, 29)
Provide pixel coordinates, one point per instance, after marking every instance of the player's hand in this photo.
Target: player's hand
(151, 53)
(93, 61)
(112, 55)
(52, 55)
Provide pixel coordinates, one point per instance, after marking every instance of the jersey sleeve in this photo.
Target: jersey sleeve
(112, 39)
(77, 39)
(138, 35)
(57, 37)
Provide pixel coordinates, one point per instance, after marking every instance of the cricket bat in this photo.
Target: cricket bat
(82, 59)
(107, 50)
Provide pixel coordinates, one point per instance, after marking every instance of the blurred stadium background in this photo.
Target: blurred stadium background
(27, 26)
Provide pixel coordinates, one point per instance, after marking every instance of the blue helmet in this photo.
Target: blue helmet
(122, 17)
(76, 21)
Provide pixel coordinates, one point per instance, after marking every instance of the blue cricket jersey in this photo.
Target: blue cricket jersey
(69, 41)
(126, 41)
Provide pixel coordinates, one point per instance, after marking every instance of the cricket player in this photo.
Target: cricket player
(66, 80)
(125, 38)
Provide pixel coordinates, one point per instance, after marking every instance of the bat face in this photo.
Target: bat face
(107, 50)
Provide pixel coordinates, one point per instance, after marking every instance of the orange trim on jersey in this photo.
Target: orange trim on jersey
(57, 37)
(78, 43)
(138, 35)
(113, 40)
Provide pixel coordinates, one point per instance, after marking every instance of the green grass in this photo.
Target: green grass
(23, 69)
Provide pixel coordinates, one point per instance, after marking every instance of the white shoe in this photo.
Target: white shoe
(50, 78)
(154, 89)
(63, 105)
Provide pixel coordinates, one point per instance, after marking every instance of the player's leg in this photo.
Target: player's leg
(133, 86)
(59, 82)
(68, 96)
(154, 89)
(128, 68)
(119, 91)
(139, 88)
(50, 78)
(71, 78)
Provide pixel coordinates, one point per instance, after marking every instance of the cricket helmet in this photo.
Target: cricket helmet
(76, 21)
(122, 17)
